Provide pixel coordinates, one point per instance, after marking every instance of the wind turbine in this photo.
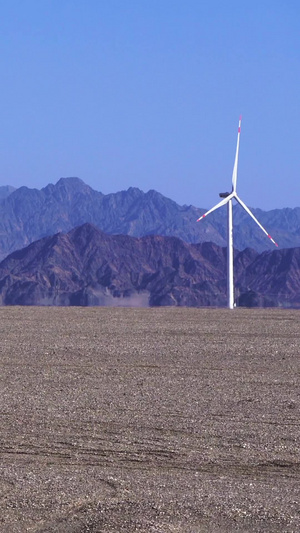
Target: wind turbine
(227, 199)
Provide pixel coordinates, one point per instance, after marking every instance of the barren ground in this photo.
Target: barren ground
(149, 420)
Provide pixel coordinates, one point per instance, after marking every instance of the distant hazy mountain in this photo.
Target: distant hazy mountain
(89, 267)
(30, 214)
(6, 190)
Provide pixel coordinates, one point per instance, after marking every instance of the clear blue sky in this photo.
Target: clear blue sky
(148, 93)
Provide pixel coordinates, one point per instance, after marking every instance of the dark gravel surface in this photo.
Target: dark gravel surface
(149, 420)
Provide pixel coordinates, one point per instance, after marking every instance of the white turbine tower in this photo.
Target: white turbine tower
(227, 199)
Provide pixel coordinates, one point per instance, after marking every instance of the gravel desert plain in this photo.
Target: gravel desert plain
(149, 420)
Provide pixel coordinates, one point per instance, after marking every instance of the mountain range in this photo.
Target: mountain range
(31, 214)
(88, 267)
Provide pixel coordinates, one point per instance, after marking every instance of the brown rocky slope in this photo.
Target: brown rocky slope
(88, 267)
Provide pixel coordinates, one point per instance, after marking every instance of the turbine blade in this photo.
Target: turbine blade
(235, 167)
(223, 202)
(254, 218)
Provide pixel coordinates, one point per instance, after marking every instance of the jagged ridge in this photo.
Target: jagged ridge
(30, 214)
(88, 267)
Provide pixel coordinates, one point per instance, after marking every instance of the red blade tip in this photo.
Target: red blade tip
(273, 240)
